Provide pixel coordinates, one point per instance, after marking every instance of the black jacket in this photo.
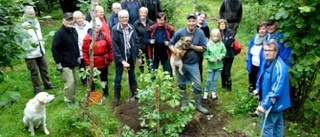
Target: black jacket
(65, 49)
(227, 39)
(118, 44)
(154, 7)
(142, 31)
(231, 10)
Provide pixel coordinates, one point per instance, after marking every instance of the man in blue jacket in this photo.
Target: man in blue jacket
(273, 88)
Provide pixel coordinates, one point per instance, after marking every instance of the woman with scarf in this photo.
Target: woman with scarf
(255, 54)
(158, 37)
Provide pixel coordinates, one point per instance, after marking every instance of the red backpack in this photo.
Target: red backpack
(236, 47)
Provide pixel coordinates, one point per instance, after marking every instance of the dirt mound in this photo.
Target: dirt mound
(201, 126)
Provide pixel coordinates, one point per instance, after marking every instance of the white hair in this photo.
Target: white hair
(77, 14)
(123, 13)
(116, 5)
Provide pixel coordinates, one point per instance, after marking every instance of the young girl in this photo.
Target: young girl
(214, 54)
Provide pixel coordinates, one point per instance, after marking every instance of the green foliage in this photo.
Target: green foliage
(299, 20)
(170, 8)
(171, 118)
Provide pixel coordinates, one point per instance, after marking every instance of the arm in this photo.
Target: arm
(116, 50)
(249, 56)
(85, 49)
(55, 48)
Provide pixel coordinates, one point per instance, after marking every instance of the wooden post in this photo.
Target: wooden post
(157, 101)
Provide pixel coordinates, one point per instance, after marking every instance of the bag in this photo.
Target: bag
(236, 47)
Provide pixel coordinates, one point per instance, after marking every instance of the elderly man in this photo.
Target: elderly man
(273, 90)
(35, 53)
(190, 60)
(125, 48)
(66, 54)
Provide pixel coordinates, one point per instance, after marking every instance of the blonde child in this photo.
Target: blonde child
(214, 54)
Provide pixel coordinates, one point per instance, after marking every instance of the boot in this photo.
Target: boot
(229, 84)
(205, 95)
(184, 100)
(133, 89)
(116, 100)
(199, 107)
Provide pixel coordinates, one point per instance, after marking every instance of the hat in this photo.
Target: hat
(191, 15)
(67, 15)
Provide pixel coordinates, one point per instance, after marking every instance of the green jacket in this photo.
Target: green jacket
(213, 52)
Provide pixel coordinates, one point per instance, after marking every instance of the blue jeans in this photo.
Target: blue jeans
(274, 125)
(192, 74)
(212, 78)
(119, 71)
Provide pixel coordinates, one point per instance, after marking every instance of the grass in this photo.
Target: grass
(64, 120)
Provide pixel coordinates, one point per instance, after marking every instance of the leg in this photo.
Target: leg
(117, 82)
(208, 86)
(82, 66)
(43, 68)
(194, 77)
(227, 72)
(201, 66)
(181, 79)
(31, 128)
(269, 125)
(279, 126)
(253, 78)
(104, 80)
(132, 79)
(33, 67)
(166, 66)
(68, 80)
(223, 74)
(44, 125)
(216, 74)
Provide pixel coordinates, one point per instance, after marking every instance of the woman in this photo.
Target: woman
(202, 24)
(142, 25)
(254, 55)
(113, 20)
(227, 39)
(81, 27)
(158, 37)
(102, 54)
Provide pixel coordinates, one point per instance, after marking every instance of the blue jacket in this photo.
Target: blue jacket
(278, 88)
(249, 56)
(113, 20)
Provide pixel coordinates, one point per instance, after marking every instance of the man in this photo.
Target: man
(66, 54)
(125, 49)
(35, 52)
(154, 7)
(231, 10)
(273, 89)
(132, 6)
(190, 61)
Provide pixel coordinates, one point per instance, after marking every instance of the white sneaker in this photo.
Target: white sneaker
(205, 95)
(214, 95)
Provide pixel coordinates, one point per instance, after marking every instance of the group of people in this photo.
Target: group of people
(135, 27)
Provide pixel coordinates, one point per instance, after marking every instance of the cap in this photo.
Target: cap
(67, 15)
(191, 15)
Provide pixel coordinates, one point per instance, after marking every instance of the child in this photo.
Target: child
(214, 54)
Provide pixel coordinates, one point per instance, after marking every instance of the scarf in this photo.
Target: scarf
(258, 41)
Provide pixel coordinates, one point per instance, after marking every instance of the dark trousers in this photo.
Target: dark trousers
(253, 78)
(226, 73)
(201, 66)
(35, 66)
(83, 66)
(165, 64)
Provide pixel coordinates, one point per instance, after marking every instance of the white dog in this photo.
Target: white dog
(35, 112)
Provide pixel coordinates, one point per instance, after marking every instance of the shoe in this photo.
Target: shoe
(254, 114)
(51, 87)
(214, 95)
(205, 95)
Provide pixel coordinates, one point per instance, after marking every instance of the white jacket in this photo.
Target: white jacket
(31, 42)
(82, 32)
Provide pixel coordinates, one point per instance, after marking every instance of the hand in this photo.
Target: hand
(150, 63)
(256, 94)
(219, 58)
(126, 65)
(166, 43)
(213, 60)
(152, 41)
(59, 67)
(260, 109)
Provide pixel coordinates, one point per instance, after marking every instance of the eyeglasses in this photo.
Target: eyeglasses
(269, 50)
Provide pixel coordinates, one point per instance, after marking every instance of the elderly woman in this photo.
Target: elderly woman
(227, 39)
(102, 54)
(35, 51)
(142, 25)
(81, 27)
(113, 20)
(158, 37)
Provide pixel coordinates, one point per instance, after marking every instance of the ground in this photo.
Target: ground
(200, 126)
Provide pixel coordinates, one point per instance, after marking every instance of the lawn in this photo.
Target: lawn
(63, 120)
